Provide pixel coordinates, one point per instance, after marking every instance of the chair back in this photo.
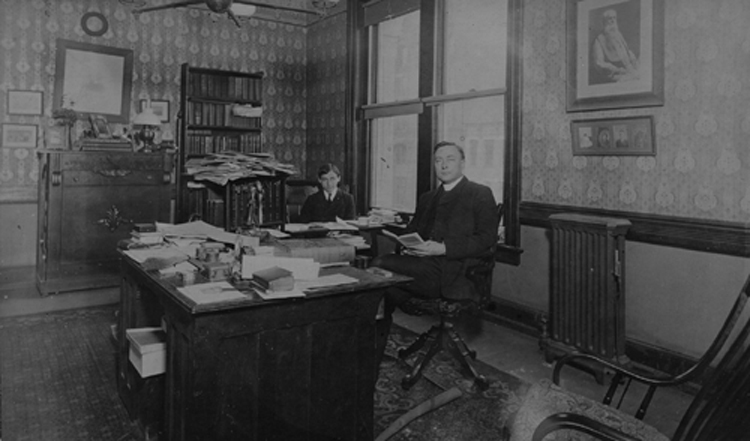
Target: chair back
(480, 273)
(297, 191)
(721, 409)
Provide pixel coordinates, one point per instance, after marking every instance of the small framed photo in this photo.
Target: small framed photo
(25, 102)
(631, 136)
(19, 135)
(100, 126)
(160, 108)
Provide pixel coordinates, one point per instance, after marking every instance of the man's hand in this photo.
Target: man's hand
(428, 248)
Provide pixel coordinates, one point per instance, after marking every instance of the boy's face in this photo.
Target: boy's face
(329, 181)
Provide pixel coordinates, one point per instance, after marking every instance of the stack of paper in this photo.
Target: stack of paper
(213, 292)
(300, 268)
(229, 166)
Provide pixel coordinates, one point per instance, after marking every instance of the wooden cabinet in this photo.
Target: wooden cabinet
(88, 201)
(221, 112)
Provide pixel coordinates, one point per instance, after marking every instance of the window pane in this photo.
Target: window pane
(478, 125)
(394, 163)
(398, 58)
(475, 44)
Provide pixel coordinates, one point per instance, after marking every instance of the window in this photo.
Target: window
(437, 70)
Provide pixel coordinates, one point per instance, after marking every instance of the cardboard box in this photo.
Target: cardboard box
(148, 348)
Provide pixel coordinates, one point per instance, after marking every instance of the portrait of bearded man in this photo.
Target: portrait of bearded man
(612, 60)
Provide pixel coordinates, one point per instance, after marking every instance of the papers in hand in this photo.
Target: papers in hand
(408, 240)
(213, 292)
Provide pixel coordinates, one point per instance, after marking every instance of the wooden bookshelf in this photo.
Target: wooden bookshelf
(221, 111)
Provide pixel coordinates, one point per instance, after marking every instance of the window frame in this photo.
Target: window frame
(361, 111)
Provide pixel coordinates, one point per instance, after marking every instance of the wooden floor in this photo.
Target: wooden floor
(501, 347)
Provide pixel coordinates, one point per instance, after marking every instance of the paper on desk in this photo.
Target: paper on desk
(182, 267)
(212, 292)
(301, 268)
(197, 229)
(278, 234)
(324, 281)
(273, 295)
(163, 253)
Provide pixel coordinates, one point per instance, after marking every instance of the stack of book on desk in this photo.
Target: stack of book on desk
(146, 233)
(323, 250)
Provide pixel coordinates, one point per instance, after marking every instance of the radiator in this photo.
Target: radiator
(587, 292)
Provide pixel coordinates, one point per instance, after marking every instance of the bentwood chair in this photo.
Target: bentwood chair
(719, 412)
(443, 336)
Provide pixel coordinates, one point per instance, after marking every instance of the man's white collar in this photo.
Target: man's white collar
(449, 187)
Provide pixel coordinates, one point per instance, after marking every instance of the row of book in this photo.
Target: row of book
(222, 115)
(204, 206)
(227, 87)
(258, 202)
(203, 142)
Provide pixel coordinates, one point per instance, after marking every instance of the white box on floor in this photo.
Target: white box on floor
(148, 350)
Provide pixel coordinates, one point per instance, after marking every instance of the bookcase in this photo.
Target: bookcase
(221, 111)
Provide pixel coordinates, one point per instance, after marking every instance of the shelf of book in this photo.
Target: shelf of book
(221, 111)
(239, 204)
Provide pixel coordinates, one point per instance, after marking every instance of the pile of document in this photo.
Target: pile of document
(229, 166)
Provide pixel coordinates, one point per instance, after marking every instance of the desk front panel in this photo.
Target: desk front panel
(291, 370)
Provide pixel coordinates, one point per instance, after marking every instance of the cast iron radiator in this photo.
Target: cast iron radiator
(587, 293)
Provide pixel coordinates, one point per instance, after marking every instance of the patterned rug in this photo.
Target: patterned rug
(57, 383)
(475, 416)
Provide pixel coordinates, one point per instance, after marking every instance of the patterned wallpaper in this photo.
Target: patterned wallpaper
(161, 42)
(702, 166)
(326, 75)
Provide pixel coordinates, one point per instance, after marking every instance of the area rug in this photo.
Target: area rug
(476, 415)
(57, 383)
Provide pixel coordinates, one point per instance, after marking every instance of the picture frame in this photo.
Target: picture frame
(100, 126)
(615, 54)
(628, 136)
(25, 102)
(160, 108)
(19, 135)
(93, 79)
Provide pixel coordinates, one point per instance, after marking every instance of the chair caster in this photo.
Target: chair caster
(482, 383)
(408, 381)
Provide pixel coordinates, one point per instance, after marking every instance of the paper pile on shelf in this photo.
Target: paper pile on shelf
(230, 166)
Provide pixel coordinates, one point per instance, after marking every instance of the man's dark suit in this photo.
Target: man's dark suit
(465, 220)
(317, 209)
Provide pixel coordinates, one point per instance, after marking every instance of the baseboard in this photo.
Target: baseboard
(17, 279)
(529, 321)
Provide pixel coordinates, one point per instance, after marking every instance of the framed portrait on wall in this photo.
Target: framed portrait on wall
(93, 79)
(19, 135)
(615, 54)
(25, 102)
(160, 108)
(631, 136)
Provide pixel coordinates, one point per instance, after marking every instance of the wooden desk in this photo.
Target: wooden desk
(299, 369)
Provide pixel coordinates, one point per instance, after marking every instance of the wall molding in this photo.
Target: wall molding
(731, 238)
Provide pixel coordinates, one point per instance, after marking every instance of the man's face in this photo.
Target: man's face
(329, 181)
(610, 22)
(449, 165)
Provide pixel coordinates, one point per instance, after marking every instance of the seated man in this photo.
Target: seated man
(458, 221)
(332, 202)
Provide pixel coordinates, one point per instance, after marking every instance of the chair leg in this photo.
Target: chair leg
(460, 351)
(411, 378)
(431, 335)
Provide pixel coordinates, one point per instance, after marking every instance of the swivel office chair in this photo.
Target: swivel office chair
(442, 336)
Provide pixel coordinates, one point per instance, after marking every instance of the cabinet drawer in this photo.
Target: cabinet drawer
(112, 168)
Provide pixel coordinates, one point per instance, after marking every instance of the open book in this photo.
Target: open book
(408, 240)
